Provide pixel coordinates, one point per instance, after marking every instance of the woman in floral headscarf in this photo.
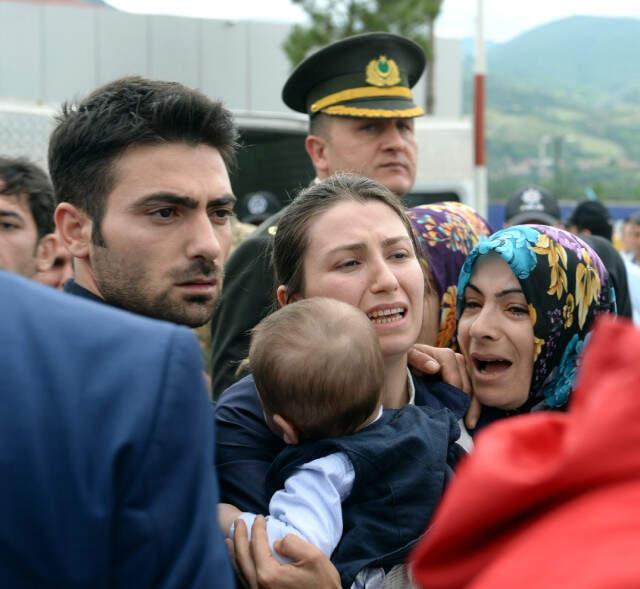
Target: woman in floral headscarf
(446, 233)
(527, 299)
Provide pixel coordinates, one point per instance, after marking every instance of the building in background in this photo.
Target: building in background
(52, 51)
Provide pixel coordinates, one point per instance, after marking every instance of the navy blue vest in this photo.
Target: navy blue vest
(402, 463)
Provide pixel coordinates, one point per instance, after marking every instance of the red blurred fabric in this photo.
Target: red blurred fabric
(550, 499)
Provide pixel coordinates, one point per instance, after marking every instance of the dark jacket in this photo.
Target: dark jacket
(247, 297)
(246, 447)
(615, 266)
(389, 508)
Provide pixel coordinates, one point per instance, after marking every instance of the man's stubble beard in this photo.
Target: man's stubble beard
(124, 283)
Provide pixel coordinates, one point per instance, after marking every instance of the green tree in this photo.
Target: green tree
(336, 19)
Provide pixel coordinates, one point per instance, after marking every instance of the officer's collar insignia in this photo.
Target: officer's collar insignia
(383, 72)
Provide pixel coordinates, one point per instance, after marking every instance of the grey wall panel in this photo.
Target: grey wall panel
(54, 53)
(69, 52)
(21, 51)
(174, 49)
(122, 45)
(224, 64)
(269, 65)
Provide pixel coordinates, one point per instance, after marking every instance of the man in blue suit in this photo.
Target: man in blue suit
(106, 449)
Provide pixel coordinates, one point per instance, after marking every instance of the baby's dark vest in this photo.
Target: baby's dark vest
(401, 463)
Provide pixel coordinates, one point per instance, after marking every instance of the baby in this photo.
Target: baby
(359, 483)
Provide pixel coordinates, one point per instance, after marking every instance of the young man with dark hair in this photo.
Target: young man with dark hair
(591, 217)
(139, 169)
(26, 214)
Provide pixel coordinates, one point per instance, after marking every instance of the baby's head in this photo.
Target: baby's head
(318, 369)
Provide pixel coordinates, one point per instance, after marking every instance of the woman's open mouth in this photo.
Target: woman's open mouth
(490, 366)
(388, 315)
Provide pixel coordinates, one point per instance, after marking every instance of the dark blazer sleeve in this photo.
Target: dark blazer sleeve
(166, 534)
(245, 448)
(247, 297)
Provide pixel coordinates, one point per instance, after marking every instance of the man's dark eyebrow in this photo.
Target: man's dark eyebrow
(225, 199)
(168, 198)
(502, 293)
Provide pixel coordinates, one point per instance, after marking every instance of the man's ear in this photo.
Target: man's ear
(316, 147)
(46, 252)
(289, 431)
(74, 227)
(283, 297)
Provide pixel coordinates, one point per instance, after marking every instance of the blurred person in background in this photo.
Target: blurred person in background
(623, 236)
(256, 207)
(631, 238)
(446, 232)
(591, 220)
(28, 245)
(591, 217)
(532, 206)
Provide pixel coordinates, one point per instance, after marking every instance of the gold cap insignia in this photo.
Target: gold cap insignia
(383, 72)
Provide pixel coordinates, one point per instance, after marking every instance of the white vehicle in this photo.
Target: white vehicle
(445, 161)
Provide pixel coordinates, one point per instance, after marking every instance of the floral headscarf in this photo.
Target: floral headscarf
(446, 233)
(566, 287)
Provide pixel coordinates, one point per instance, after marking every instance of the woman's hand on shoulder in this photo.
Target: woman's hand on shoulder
(259, 569)
(450, 365)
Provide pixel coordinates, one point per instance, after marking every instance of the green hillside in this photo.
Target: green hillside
(564, 109)
(582, 53)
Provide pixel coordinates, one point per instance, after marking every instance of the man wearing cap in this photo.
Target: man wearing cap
(531, 206)
(256, 207)
(357, 93)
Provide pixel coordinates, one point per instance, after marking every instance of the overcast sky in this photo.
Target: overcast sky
(504, 19)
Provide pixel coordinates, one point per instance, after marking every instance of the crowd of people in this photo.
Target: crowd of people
(391, 386)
